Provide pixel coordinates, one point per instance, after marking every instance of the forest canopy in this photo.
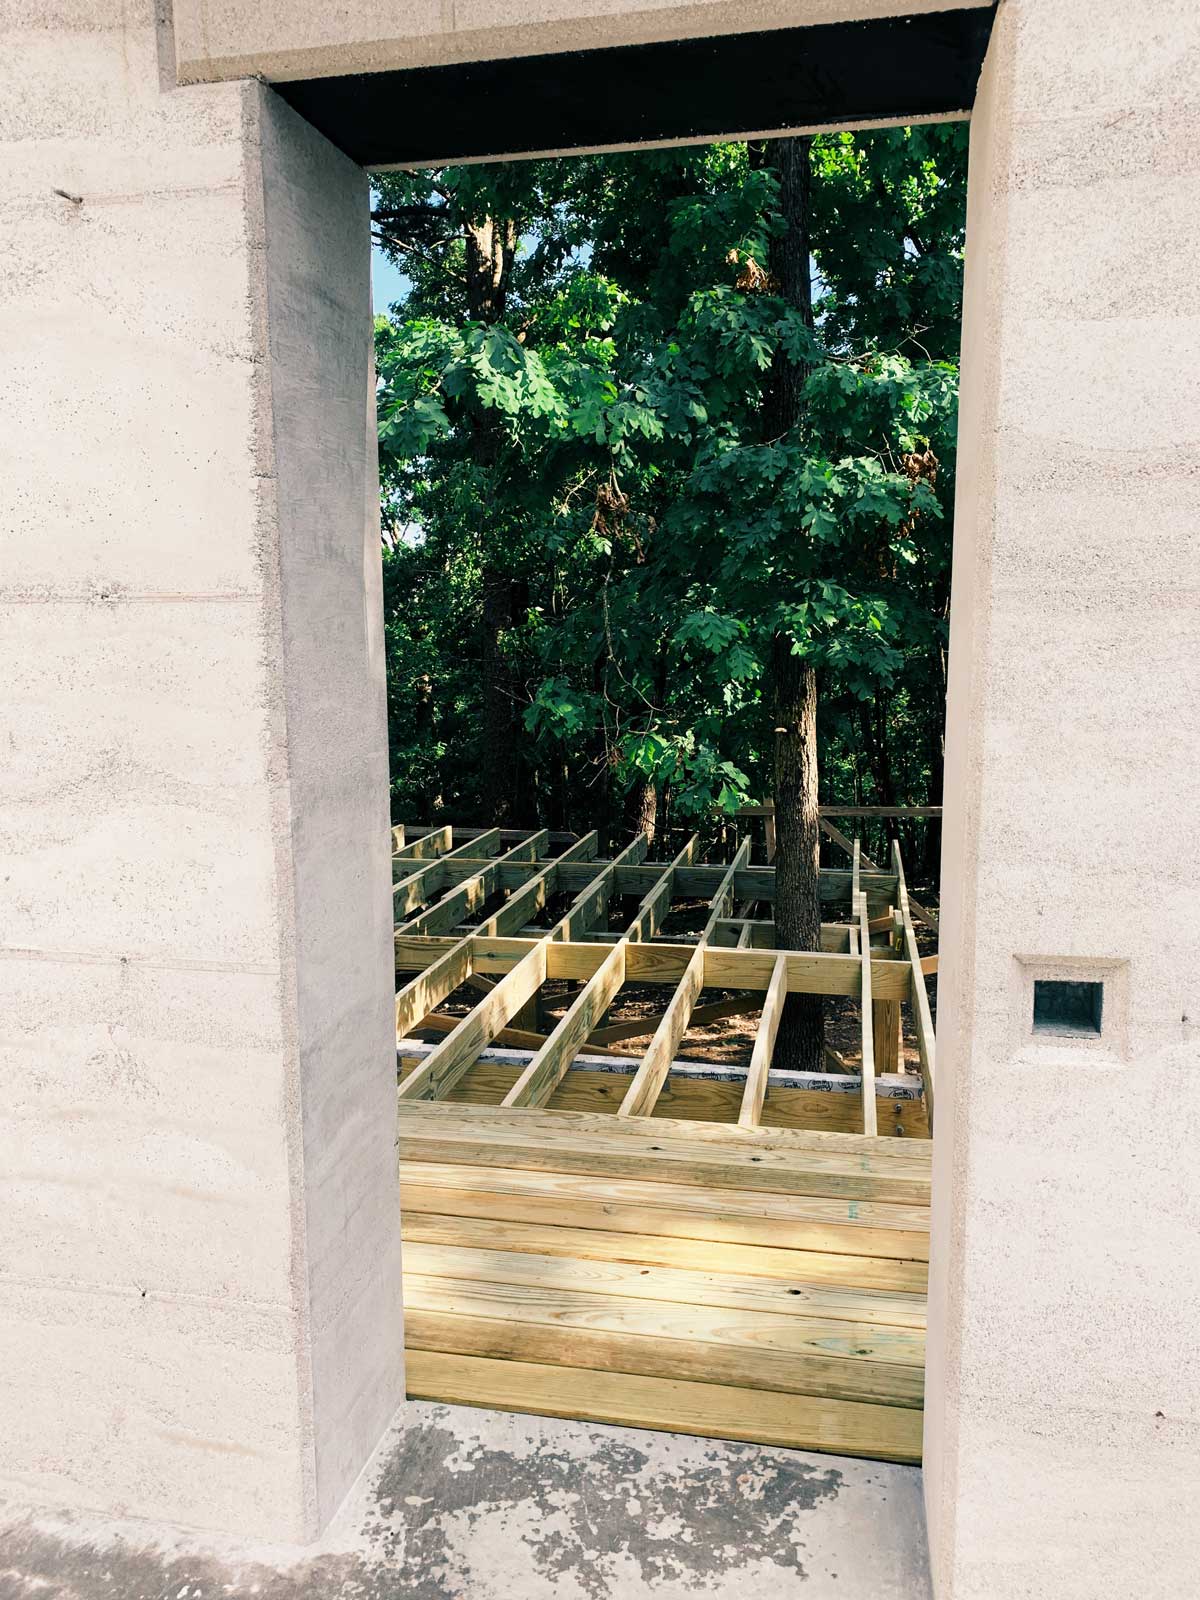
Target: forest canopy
(606, 546)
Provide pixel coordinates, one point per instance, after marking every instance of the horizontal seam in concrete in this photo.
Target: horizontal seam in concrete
(147, 598)
(179, 964)
(50, 197)
(122, 1291)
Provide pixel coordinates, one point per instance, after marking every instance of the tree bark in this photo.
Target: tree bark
(490, 248)
(645, 817)
(498, 736)
(801, 1039)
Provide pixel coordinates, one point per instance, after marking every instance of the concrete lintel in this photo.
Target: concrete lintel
(284, 40)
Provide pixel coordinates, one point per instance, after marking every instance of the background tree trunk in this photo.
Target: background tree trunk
(645, 809)
(800, 1045)
(501, 750)
(490, 249)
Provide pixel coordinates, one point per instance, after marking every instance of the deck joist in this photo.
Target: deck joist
(635, 1240)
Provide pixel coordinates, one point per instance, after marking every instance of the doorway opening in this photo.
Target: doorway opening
(667, 454)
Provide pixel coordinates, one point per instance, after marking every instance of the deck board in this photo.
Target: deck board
(793, 1296)
(602, 1146)
(746, 1284)
(629, 1205)
(712, 1410)
(556, 1239)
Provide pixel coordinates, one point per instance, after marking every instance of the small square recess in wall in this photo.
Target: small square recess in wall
(1067, 1008)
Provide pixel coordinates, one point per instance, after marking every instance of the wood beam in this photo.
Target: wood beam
(809, 971)
(429, 988)
(722, 901)
(592, 903)
(922, 1018)
(434, 843)
(548, 1067)
(470, 893)
(649, 916)
(867, 1023)
(648, 1080)
(415, 858)
(585, 848)
(919, 912)
(528, 849)
(458, 1051)
(758, 1075)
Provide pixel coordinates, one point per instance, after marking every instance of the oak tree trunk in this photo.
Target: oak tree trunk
(490, 248)
(800, 1044)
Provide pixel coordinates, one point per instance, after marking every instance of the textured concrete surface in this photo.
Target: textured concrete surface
(198, 1214)
(1063, 1396)
(282, 39)
(329, 696)
(476, 1504)
(199, 1300)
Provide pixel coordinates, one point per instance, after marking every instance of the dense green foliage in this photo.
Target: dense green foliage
(592, 544)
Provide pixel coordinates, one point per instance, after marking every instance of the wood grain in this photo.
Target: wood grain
(884, 1433)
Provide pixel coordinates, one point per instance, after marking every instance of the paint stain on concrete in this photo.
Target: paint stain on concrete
(602, 1505)
(479, 1510)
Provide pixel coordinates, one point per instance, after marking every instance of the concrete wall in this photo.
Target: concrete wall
(199, 1274)
(1062, 1439)
(282, 39)
(198, 1229)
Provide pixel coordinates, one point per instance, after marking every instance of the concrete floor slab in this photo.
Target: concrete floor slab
(490, 1506)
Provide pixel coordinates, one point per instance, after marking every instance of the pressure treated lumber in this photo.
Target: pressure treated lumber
(667, 1265)
(887, 1027)
(532, 896)
(420, 887)
(704, 1102)
(755, 1092)
(540, 1078)
(797, 1222)
(435, 843)
(926, 1047)
(722, 900)
(741, 1333)
(601, 1146)
(591, 906)
(441, 1070)
(808, 971)
(866, 1016)
(643, 1091)
(429, 988)
(607, 1334)
(884, 1433)
(920, 913)
(779, 1297)
(794, 1268)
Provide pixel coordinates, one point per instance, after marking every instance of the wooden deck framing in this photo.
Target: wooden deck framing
(622, 1235)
